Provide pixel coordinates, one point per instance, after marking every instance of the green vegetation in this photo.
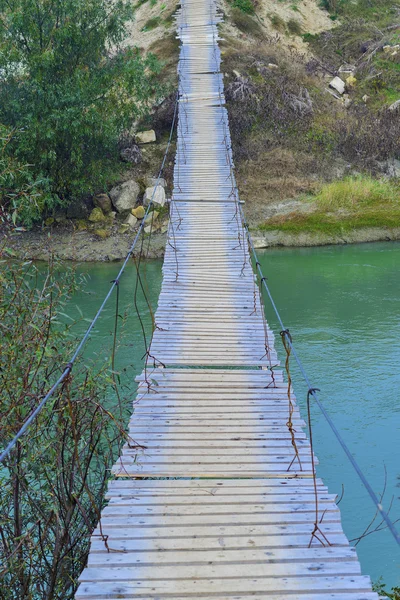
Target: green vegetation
(379, 588)
(246, 23)
(245, 6)
(52, 486)
(68, 91)
(294, 27)
(151, 24)
(345, 205)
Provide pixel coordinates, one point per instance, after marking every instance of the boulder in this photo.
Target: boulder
(157, 194)
(78, 209)
(103, 201)
(395, 105)
(124, 228)
(365, 98)
(96, 216)
(152, 216)
(272, 66)
(152, 181)
(146, 137)
(131, 221)
(386, 49)
(138, 212)
(338, 85)
(124, 196)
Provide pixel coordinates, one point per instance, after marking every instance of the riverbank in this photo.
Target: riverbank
(82, 246)
(66, 243)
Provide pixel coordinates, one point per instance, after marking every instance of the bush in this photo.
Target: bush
(68, 89)
(52, 484)
(245, 6)
(22, 197)
(246, 23)
(294, 27)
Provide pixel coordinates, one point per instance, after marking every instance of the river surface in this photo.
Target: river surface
(342, 306)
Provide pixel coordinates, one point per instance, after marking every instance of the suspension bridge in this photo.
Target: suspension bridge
(217, 497)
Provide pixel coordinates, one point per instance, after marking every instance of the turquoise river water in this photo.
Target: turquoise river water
(342, 306)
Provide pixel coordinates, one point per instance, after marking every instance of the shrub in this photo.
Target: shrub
(294, 27)
(245, 6)
(53, 482)
(68, 90)
(246, 23)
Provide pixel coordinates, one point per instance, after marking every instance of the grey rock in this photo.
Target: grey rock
(131, 221)
(146, 137)
(152, 181)
(77, 209)
(124, 196)
(157, 194)
(338, 85)
(103, 201)
(395, 105)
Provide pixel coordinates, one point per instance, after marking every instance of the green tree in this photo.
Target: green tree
(69, 86)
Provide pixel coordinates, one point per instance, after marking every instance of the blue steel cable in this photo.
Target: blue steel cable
(83, 341)
(313, 392)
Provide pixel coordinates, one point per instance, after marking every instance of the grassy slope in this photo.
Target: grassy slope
(284, 152)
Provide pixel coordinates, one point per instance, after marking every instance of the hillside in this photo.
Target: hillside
(313, 93)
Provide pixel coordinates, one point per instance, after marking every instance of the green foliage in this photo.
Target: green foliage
(151, 24)
(68, 89)
(379, 588)
(23, 197)
(278, 22)
(245, 6)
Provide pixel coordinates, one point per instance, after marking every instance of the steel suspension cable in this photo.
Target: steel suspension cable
(68, 368)
(312, 391)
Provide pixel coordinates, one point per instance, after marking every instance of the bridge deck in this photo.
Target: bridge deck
(242, 528)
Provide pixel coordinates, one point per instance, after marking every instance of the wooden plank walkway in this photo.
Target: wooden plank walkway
(233, 514)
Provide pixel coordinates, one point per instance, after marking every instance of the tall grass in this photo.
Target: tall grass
(345, 205)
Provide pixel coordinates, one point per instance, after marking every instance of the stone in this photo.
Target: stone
(138, 212)
(112, 215)
(386, 49)
(236, 74)
(157, 194)
(395, 105)
(365, 98)
(148, 229)
(124, 196)
(78, 209)
(152, 181)
(338, 85)
(272, 66)
(124, 228)
(102, 233)
(152, 216)
(351, 81)
(347, 102)
(103, 201)
(131, 221)
(96, 216)
(393, 168)
(146, 137)
(394, 53)
(164, 228)
(132, 154)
